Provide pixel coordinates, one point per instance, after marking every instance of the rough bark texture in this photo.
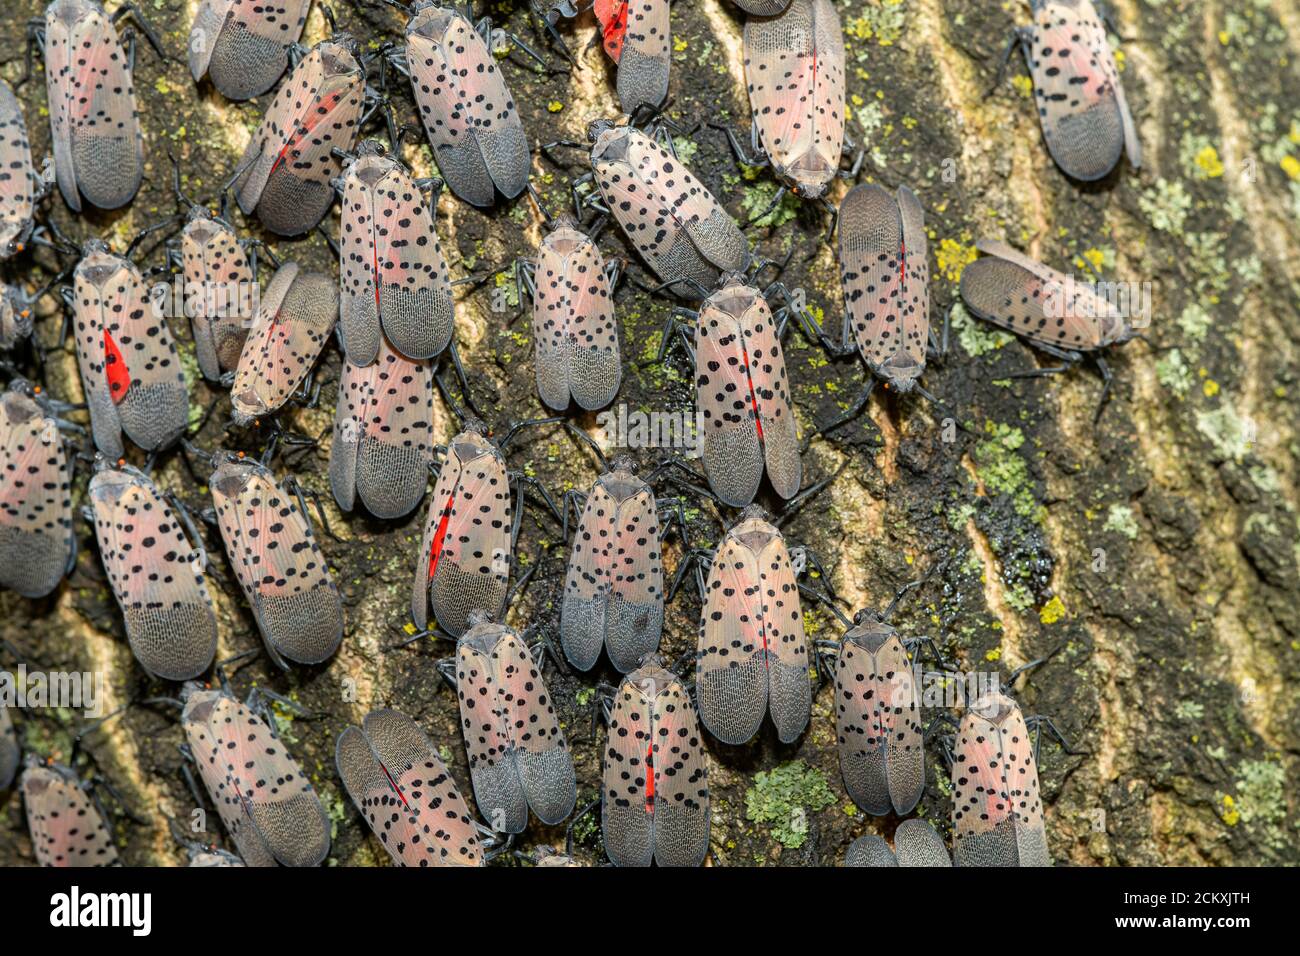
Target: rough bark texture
(1156, 551)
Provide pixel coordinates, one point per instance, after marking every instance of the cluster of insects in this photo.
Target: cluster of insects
(392, 310)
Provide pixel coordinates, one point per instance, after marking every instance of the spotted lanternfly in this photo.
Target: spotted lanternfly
(915, 844)
(218, 276)
(290, 165)
(655, 781)
(794, 71)
(468, 114)
(98, 150)
(155, 573)
(1047, 307)
(393, 276)
(575, 338)
(383, 434)
(1062, 317)
(401, 786)
(1081, 104)
(203, 857)
(36, 537)
(9, 752)
(752, 655)
(762, 8)
(870, 850)
(297, 313)
(130, 372)
(878, 720)
(19, 185)
(16, 322)
(518, 758)
(675, 223)
(997, 813)
(614, 591)
(885, 272)
(637, 37)
(280, 566)
(265, 800)
(918, 844)
(743, 395)
(242, 46)
(66, 828)
(464, 560)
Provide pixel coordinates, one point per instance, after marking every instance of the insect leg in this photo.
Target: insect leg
(464, 386)
(854, 410)
(1020, 37)
(130, 9)
(741, 156)
(1038, 722)
(427, 632)
(295, 488)
(35, 41)
(1107, 380)
(771, 207)
(549, 20)
(938, 346)
(446, 668)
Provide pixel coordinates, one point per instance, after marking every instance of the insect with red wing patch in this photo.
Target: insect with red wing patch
(752, 655)
(37, 544)
(741, 390)
(264, 798)
(1081, 103)
(518, 758)
(156, 573)
(393, 275)
(242, 46)
(464, 558)
(655, 776)
(130, 371)
(885, 275)
(383, 434)
(280, 567)
(94, 125)
(401, 786)
(287, 172)
(67, 829)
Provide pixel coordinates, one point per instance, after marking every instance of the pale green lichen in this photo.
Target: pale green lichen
(1194, 321)
(1230, 436)
(783, 797)
(1261, 800)
(1120, 520)
(759, 196)
(1005, 472)
(1172, 372)
(1166, 205)
(976, 338)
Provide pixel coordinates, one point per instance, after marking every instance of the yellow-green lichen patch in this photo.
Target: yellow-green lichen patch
(782, 798)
